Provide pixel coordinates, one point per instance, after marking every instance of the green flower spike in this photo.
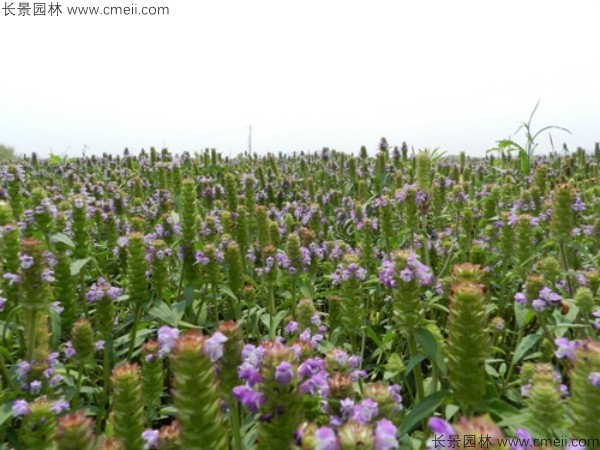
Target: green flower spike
(282, 411)
(585, 393)
(468, 344)
(544, 401)
(127, 406)
(75, 432)
(39, 426)
(195, 395)
(152, 378)
(189, 229)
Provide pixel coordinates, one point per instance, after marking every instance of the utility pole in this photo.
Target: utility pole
(250, 141)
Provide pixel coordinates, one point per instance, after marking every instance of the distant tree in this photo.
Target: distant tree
(7, 153)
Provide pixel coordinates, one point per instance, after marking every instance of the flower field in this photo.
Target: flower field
(319, 300)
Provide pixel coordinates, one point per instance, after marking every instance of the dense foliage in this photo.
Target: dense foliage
(309, 301)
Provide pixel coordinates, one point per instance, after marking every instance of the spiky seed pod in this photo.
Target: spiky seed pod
(362, 191)
(274, 234)
(353, 435)
(468, 344)
(82, 338)
(423, 170)
(523, 238)
(405, 296)
(159, 268)
(340, 387)
(80, 227)
(385, 217)
(35, 292)
(304, 312)
(527, 371)
(9, 250)
(562, 215)
(127, 406)
(533, 285)
(352, 303)
(39, 426)
(243, 234)
(231, 359)
(585, 394)
(249, 201)
(540, 177)
(169, 437)
(507, 239)
(584, 299)
(112, 444)
(481, 429)
(189, 229)
(262, 226)
(195, 394)
(137, 285)
(550, 269)
(411, 216)
(383, 395)
(235, 268)
(232, 190)
(282, 411)
(152, 378)
(14, 185)
(75, 432)
(5, 213)
(593, 280)
(467, 272)
(293, 251)
(544, 402)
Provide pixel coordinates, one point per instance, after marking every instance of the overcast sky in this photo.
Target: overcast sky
(458, 75)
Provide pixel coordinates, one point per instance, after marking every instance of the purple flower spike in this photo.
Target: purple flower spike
(284, 373)
(151, 438)
(213, 347)
(167, 337)
(595, 379)
(249, 397)
(20, 408)
(385, 435)
(326, 439)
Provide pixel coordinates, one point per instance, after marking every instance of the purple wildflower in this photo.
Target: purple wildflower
(20, 408)
(284, 373)
(385, 435)
(326, 439)
(213, 346)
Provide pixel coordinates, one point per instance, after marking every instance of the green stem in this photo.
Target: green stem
(78, 389)
(272, 330)
(412, 348)
(32, 335)
(136, 319)
(235, 425)
(7, 378)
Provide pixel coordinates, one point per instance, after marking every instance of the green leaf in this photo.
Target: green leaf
(77, 265)
(524, 346)
(5, 412)
(414, 361)
(62, 238)
(431, 348)
(162, 312)
(423, 410)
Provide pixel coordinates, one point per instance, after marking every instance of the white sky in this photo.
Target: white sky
(306, 74)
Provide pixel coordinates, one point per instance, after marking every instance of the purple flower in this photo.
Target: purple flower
(35, 387)
(524, 440)
(291, 327)
(406, 275)
(249, 397)
(316, 384)
(249, 374)
(2, 302)
(99, 345)
(440, 427)
(365, 411)
(284, 373)
(213, 346)
(26, 261)
(595, 379)
(59, 406)
(56, 307)
(150, 438)
(48, 276)
(167, 337)
(22, 370)
(69, 350)
(326, 439)
(520, 298)
(20, 408)
(538, 305)
(385, 435)
(566, 348)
